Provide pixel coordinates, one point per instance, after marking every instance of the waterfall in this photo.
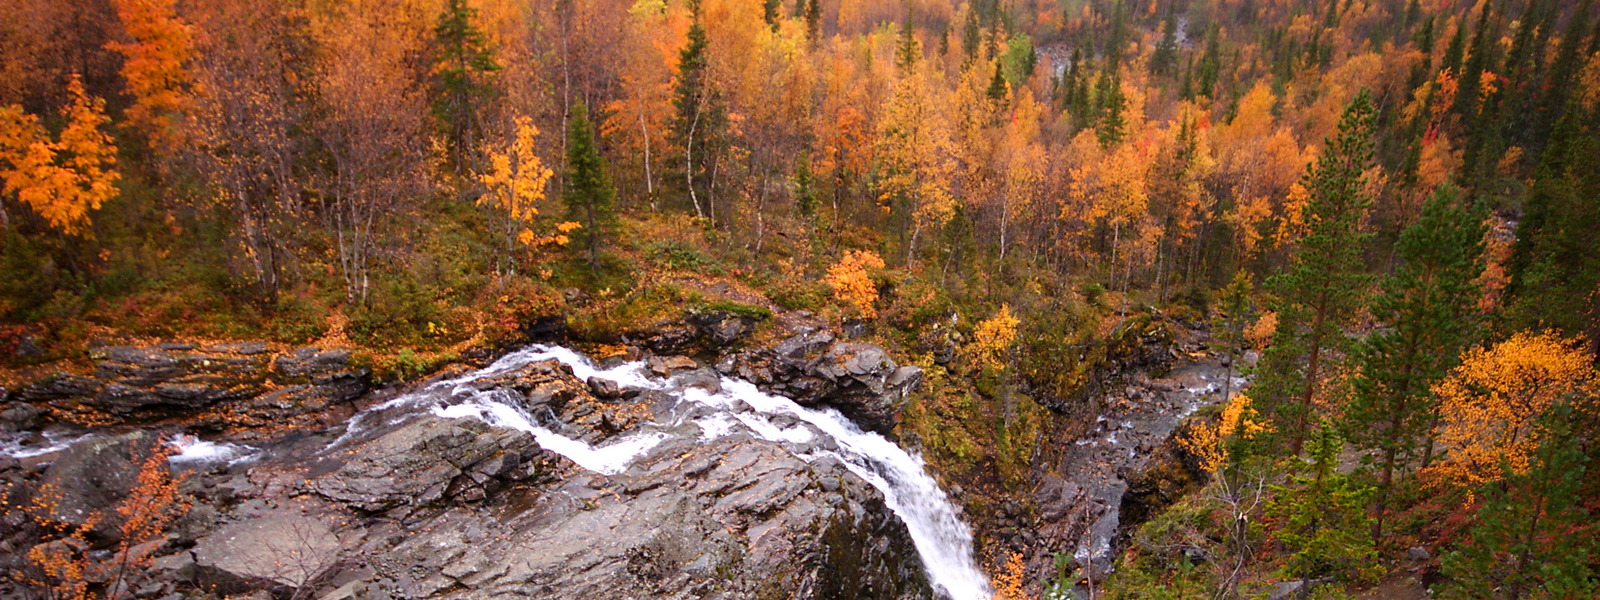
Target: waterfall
(943, 541)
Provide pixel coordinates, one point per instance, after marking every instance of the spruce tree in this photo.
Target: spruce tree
(1429, 309)
(1554, 267)
(464, 64)
(699, 117)
(1322, 289)
(1111, 126)
(589, 195)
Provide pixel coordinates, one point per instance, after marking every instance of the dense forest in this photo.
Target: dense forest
(1392, 203)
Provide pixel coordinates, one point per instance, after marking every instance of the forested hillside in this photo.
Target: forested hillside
(1384, 213)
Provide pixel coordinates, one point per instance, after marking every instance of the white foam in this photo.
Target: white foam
(195, 450)
(943, 541)
(607, 460)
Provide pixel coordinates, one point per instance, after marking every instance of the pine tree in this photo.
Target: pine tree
(769, 13)
(997, 90)
(1165, 57)
(1323, 518)
(805, 187)
(464, 64)
(1429, 307)
(1323, 287)
(590, 197)
(1532, 538)
(813, 16)
(1111, 126)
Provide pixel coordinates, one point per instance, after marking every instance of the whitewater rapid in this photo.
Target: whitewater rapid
(943, 541)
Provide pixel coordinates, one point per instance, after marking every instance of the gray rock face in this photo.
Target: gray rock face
(179, 379)
(281, 549)
(415, 505)
(857, 378)
(428, 460)
(89, 479)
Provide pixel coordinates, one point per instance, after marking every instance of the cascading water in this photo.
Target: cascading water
(943, 541)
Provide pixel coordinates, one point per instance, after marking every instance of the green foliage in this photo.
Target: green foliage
(463, 64)
(673, 255)
(590, 197)
(1323, 519)
(1323, 289)
(1429, 305)
(1532, 538)
(1019, 60)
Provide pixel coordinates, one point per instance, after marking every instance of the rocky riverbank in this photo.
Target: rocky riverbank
(430, 492)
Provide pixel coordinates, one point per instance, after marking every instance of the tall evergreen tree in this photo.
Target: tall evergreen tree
(1111, 126)
(698, 116)
(464, 64)
(1323, 287)
(589, 194)
(1529, 540)
(1429, 308)
(1554, 268)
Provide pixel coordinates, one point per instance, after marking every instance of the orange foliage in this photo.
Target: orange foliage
(992, 338)
(852, 283)
(1489, 404)
(155, 66)
(65, 179)
(1008, 585)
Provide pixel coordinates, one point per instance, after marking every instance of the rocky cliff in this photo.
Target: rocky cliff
(435, 492)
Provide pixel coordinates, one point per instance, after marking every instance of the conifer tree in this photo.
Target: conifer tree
(464, 64)
(1529, 540)
(1429, 308)
(590, 196)
(1323, 519)
(1111, 126)
(1322, 289)
(699, 117)
(1554, 268)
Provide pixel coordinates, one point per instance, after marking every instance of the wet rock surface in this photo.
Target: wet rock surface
(812, 366)
(412, 503)
(1126, 465)
(236, 382)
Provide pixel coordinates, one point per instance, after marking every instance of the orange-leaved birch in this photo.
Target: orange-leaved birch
(156, 67)
(1489, 404)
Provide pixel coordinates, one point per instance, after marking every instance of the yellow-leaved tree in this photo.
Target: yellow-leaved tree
(155, 65)
(1488, 405)
(851, 280)
(1208, 442)
(515, 186)
(65, 179)
(992, 339)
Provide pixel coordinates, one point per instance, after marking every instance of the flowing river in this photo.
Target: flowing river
(943, 541)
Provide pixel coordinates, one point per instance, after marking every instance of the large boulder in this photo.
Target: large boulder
(86, 482)
(282, 548)
(428, 460)
(812, 367)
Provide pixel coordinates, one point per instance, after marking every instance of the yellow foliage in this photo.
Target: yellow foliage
(992, 338)
(516, 182)
(1205, 442)
(852, 283)
(1261, 332)
(516, 177)
(62, 180)
(1008, 585)
(1489, 404)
